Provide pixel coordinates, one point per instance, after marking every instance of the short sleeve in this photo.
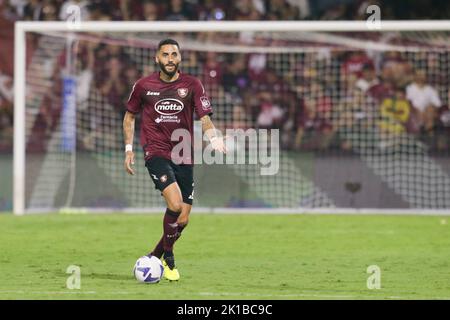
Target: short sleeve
(202, 104)
(409, 92)
(434, 98)
(134, 103)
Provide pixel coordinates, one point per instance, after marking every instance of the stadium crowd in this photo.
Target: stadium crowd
(316, 100)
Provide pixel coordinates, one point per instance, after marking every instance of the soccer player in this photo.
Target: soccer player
(167, 100)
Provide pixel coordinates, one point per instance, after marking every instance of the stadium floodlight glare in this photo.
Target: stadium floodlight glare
(49, 180)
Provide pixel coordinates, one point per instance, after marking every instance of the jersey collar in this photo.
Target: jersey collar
(169, 82)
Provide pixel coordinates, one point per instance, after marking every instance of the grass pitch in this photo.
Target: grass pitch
(228, 257)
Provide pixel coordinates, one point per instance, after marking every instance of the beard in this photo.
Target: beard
(168, 73)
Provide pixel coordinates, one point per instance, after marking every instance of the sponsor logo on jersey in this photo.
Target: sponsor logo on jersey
(182, 92)
(169, 106)
(152, 93)
(163, 178)
(205, 102)
(168, 119)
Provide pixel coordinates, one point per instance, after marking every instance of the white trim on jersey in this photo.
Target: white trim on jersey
(131, 93)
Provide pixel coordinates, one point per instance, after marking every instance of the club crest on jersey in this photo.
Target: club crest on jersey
(205, 102)
(182, 92)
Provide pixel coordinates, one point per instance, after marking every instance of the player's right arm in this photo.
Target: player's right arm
(134, 106)
(128, 133)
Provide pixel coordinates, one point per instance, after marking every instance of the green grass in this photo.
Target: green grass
(228, 257)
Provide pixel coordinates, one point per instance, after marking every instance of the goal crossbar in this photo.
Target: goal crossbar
(233, 26)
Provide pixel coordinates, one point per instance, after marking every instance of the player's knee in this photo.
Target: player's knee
(176, 206)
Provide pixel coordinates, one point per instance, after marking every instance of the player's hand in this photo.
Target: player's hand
(129, 161)
(218, 143)
(183, 219)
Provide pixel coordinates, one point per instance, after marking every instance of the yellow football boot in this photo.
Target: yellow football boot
(170, 274)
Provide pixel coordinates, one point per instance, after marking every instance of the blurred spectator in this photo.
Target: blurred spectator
(6, 112)
(131, 75)
(318, 97)
(212, 10)
(85, 69)
(257, 66)
(303, 6)
(100, 10)
(368, 78)
(49, 11)
(113, 84)
(6, 128)
(33, 10)
(394, 112)
(179, 10)
(281, 10)
(50, 112)
(380, 91)
(270, 115)
(150, 11)
(395, 68)
(336, 11)
(13, 9)
(424, 99)
(315, 129)
(246, 10)
(240, 117)
(443, 129)
(235, 77)
(48, 117)
(6, 88)
(279, 88)
(44, 10)
(351, 115)
(212, 70)
(355, 62)
(313, 132)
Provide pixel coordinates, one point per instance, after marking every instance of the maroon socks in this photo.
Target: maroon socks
(171, 232)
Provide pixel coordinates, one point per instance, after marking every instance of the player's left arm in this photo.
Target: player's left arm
(203, 110)
(217, 142)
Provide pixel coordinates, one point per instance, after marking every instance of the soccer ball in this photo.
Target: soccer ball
(148, 269)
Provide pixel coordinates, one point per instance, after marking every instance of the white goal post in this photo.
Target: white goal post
(20, 89)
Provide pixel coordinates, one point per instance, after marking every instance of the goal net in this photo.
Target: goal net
(361, 118)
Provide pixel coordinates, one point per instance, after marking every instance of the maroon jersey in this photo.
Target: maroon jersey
(167, 106)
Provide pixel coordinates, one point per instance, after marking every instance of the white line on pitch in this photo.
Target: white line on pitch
(218, 294)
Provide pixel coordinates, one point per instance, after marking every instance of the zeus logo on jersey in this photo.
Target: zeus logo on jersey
(169, 106)
(152, 93)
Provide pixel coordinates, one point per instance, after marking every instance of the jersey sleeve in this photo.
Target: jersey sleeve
(134, 103)
(202, 105)
(434, 98)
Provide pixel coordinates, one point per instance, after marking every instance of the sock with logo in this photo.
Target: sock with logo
(170, 233)
(170, 229)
